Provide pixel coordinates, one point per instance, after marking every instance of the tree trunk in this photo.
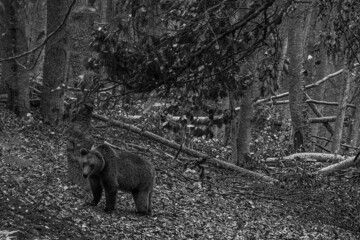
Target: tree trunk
(56, 53)
(339, 124)
(241, 128)
(15, 72)
(298, 112)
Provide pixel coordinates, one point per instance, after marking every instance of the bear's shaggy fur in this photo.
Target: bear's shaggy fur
(113, 170)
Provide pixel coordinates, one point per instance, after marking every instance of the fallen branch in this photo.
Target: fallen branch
(323, 119)
(329, 140)
(213, 161)
(328, 103)
(321, 157)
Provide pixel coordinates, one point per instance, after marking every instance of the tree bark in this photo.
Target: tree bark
(56, 54)
(283, 64)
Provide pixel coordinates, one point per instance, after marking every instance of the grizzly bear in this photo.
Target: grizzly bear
(113, 170)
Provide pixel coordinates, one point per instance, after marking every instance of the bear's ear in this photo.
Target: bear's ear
(84, 151)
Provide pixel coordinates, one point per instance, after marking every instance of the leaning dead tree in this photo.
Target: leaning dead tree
(341, 161)
(321, 81)
(212, 161)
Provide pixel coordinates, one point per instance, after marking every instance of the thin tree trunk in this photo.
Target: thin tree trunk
(339, 124)
(56, 53)
(234, 129)
(8, 49)
(245, 125)
(321, 71)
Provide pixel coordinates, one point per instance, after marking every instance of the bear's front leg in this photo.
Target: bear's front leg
(96, 189)
(111, 187)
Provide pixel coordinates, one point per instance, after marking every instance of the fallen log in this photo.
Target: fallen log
(213, 161)
(349, 162)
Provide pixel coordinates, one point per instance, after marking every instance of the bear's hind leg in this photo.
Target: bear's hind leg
(142, 202)
(96, 189)
(110, 201)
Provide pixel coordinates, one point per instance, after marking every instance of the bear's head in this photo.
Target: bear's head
(92, 162)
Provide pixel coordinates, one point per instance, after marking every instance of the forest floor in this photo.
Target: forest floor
(37, 201)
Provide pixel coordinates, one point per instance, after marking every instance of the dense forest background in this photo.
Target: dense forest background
(249, 111)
